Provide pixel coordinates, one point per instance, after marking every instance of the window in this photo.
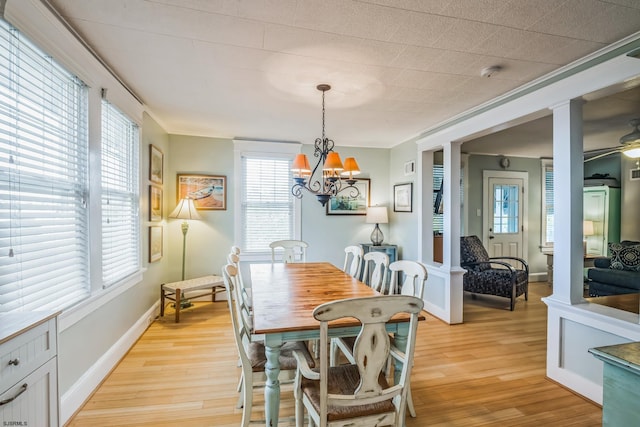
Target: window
(438, 177)
(43, 180)
(506, 208)
(547, 204)
(120, 194)
(268, 210)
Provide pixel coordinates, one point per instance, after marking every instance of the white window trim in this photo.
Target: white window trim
(263, 148)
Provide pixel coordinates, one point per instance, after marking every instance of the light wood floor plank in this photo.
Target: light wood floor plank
(489, 371)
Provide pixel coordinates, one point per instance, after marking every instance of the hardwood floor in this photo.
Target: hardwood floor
(489, 371)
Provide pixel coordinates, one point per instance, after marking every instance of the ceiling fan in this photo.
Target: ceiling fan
(630, 144)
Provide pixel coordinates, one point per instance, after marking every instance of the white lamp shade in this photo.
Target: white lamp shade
(587, 228)
(186, 209)
(377, 215)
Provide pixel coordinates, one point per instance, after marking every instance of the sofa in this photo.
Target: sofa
(617, 274)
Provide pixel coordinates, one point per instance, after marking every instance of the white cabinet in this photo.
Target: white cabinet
(28, 370)
(602, 207)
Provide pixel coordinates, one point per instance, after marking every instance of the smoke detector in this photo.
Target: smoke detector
(490, 71)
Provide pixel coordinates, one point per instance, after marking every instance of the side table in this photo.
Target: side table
(174, 291)
(587, 262)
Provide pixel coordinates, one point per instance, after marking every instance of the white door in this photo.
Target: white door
(504, 226)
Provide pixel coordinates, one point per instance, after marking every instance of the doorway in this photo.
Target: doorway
(504, 230)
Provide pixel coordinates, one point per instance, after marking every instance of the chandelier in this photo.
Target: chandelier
(324, 180)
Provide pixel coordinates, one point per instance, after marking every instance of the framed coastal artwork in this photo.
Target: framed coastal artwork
(155, 243)
(156, 159)
(349, 201)
(155, 203)
(209, 192)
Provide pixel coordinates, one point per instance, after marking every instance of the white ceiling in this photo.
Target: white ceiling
(249, 68)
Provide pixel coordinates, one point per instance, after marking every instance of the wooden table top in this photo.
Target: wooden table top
(285, 295)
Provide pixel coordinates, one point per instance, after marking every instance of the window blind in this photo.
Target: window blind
(43, 179)
(120, 195)
(548, 204)
(267, 203)
(438, 176)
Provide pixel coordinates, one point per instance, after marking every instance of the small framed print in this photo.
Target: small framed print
(155, 243)
(409, 167)
(155, 203)
(207, 191)
(349, 201)
(156, 159)
(402, 197)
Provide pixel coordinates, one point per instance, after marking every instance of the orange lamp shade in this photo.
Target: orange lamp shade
(300, 165)
(351, 167)
(333, 163)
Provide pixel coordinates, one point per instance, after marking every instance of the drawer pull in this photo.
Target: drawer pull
(11, 399)
(15, 361)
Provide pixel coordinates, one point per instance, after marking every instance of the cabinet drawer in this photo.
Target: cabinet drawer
(26, 352)
(33, 400)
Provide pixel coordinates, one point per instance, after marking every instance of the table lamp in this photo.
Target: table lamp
(587, 230)
(377, 215)
(185, 210)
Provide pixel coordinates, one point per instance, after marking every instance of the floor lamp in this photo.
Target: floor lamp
(185, 210)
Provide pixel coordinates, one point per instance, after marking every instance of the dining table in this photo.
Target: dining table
(284, 296)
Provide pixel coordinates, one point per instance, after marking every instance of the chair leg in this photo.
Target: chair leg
(240, 403)
(248, 403)
(412, 410)
(333, 353)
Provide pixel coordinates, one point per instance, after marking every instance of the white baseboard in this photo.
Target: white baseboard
(537, 277)
(79, 392)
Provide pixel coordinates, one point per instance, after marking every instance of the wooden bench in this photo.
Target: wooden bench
(175, 291)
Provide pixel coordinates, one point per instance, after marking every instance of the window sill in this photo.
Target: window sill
(79, 311)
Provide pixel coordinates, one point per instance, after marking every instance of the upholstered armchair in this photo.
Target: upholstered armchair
(492, 276)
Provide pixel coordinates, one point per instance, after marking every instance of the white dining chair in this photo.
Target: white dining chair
(374, 277)
(252, 354)
(234, 259)
(358, 394)
(353, 260)
(415, 278)
(292, 250)
(376, 270)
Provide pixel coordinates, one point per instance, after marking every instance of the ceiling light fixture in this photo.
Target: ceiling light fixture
(632, 140)
(329, 183)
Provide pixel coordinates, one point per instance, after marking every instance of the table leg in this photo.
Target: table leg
(178, 304)
(272, 388)
(400, 339)
(161, 301)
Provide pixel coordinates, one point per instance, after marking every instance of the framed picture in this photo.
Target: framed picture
(403, 197)
(207, 191)
(156, 159)
(349, 201)
(437, 203)
(155, 203)
(410, 167)
(155, 243)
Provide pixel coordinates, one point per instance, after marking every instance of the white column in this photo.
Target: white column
(567, 201)
(451, 219)
(451, 205)
(425, 225)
